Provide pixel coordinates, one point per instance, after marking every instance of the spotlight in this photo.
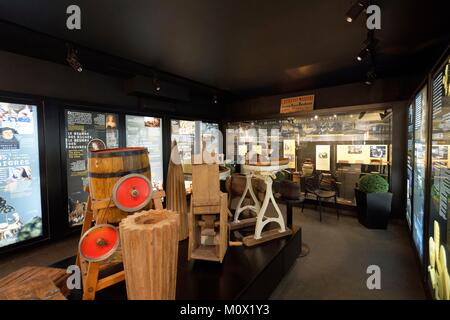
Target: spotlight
(363, 54)
(354, 11)
(72, 58)
(335, 116)
(316, 117)
(156, 84)
(215, 99)
(371, 76)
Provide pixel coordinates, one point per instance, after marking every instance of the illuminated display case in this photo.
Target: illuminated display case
(438, 226)
(147, 132)
(194, 137)
(345, 146)
(84, 131)
(419, 172)
(410, 157)
(21, 215)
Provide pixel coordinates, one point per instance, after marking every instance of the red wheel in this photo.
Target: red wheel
(132, 192)
(99, 243)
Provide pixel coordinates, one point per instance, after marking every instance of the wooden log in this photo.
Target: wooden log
(149, 242)
(176, 191)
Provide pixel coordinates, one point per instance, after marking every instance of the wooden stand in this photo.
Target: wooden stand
(176, 191)
(208, 217)
(149, 242)
(262, 220)
(90, 270)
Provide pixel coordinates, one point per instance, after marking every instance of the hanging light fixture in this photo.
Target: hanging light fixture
(371, 76)
(156, 83)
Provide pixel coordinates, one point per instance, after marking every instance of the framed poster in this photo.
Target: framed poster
(85, 130)
(146, 132)
(289, 151)
(323, 157)
(20, 186)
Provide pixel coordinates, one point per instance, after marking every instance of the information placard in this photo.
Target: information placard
(85, 130)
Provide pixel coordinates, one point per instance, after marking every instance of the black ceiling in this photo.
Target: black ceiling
(248, 47)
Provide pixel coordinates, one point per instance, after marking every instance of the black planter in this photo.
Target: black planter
(374, 209)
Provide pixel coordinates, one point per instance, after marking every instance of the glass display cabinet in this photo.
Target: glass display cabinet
(345, 146)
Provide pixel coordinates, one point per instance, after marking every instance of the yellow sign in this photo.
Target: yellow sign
(297, 104)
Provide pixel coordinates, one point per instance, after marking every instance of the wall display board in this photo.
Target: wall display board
(362, 154)
(289, 152)
(20, 188)
(183, 132)
(323, 156)
(420, 155)
(409, 178)
(440, 164)
(146, 132)
(85, 130)
(210, 139)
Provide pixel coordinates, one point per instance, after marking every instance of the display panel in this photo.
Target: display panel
(410, 156)
(85, 130)
(440, 162)
(147, 132)
(183, 132)
(420, 155)
(343, 146)
(20, 187)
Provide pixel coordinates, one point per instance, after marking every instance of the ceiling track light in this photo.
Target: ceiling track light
(156, 84)
(371, 76)
(72, 58)
(363, 54)
(215, 99)
(355, 10)
(370, 46)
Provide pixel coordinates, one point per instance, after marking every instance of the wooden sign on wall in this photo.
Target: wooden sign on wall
(297, 104)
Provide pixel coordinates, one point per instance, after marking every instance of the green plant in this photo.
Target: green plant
(372, 183)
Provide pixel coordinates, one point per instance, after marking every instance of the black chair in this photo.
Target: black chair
(322, 189)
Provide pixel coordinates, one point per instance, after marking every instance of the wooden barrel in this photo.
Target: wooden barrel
(109, 165)
(149, 241)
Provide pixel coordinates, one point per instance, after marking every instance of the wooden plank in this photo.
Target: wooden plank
(110, 280)
(206, 209)
(37, 288)
(243, 223)
(57, 276)
(205, 185)
(269, 235)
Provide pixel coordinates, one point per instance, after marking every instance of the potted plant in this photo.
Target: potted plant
(373, 201)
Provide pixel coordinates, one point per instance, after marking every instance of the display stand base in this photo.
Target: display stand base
(246, 272)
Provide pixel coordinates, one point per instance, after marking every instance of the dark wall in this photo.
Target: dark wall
(385, 90)
(31, 76)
